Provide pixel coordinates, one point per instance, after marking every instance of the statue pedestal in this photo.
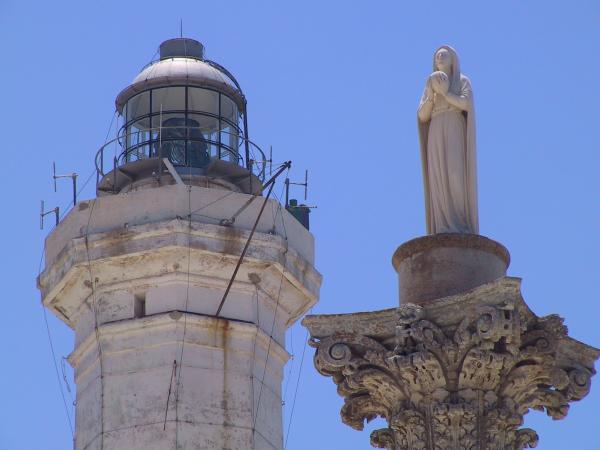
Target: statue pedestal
(440, 265)
(459, 366)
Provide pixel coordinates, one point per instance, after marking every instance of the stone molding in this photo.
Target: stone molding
(470, 241)
(146, 238)
(160, 249)
(455, 376)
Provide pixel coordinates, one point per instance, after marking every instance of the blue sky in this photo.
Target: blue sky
(334, 87)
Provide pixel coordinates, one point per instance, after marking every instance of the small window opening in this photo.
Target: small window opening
(139, 305)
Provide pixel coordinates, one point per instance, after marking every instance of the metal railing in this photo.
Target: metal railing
(185, 146)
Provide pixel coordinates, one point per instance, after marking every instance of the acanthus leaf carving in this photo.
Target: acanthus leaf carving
(410, 429)
(526, 438)
(360, 408)
(385, 438)
(464, 386)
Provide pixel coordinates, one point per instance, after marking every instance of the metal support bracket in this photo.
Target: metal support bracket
(172, 171)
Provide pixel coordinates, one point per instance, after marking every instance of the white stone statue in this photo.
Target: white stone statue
(446, 119)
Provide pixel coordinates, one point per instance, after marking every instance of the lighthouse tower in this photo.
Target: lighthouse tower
(180, 279)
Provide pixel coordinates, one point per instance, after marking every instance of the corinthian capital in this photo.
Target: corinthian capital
(454, 374)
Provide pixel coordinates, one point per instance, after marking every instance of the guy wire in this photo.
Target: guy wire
(62, 394)
(53, 352)
(267, 355)
(169, 393)
(254, 358)
(257, 410)
(96, 328)
(70, 206)
(287, 435)
(185, 309)
(291, 369)
(279, 212)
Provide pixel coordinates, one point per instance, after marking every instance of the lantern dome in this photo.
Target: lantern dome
(182, 62)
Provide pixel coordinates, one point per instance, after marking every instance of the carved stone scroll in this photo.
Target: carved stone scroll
(465, 384)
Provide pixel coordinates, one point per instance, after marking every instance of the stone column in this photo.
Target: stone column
(460, 362)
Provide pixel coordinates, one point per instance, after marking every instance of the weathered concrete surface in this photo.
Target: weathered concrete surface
(160, 256)
(440, 265)
(455, 373)
(140, 283)
(210, 206)
(221, 369)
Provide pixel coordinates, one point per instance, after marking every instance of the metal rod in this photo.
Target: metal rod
(101, 166)
(287, 192)
(285, 165)
(160, 145)
(172, 171)
(246, 142)
(43, 214)
(287, 187)
(54, 174)
(186, 147)
(169, 393)
(250, 167)
(220, 127)
(231, 220)
(305, 184)
(239, 263)
(114, 174)
(74, 178)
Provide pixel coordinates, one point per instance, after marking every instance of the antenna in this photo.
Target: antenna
(305, 184)
(287, 188)
(53, 176)
(180, 28)
(270, 160)
(72, 176)
(45, 213)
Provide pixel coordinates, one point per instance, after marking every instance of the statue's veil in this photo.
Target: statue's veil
(455, 77)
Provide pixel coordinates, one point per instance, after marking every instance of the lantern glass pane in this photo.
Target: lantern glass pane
(170, 98)
(203, 100)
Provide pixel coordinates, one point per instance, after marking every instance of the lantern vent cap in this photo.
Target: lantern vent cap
(181, 48)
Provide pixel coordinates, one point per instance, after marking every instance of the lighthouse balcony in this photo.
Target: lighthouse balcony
(197, 131)
(191, 151)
